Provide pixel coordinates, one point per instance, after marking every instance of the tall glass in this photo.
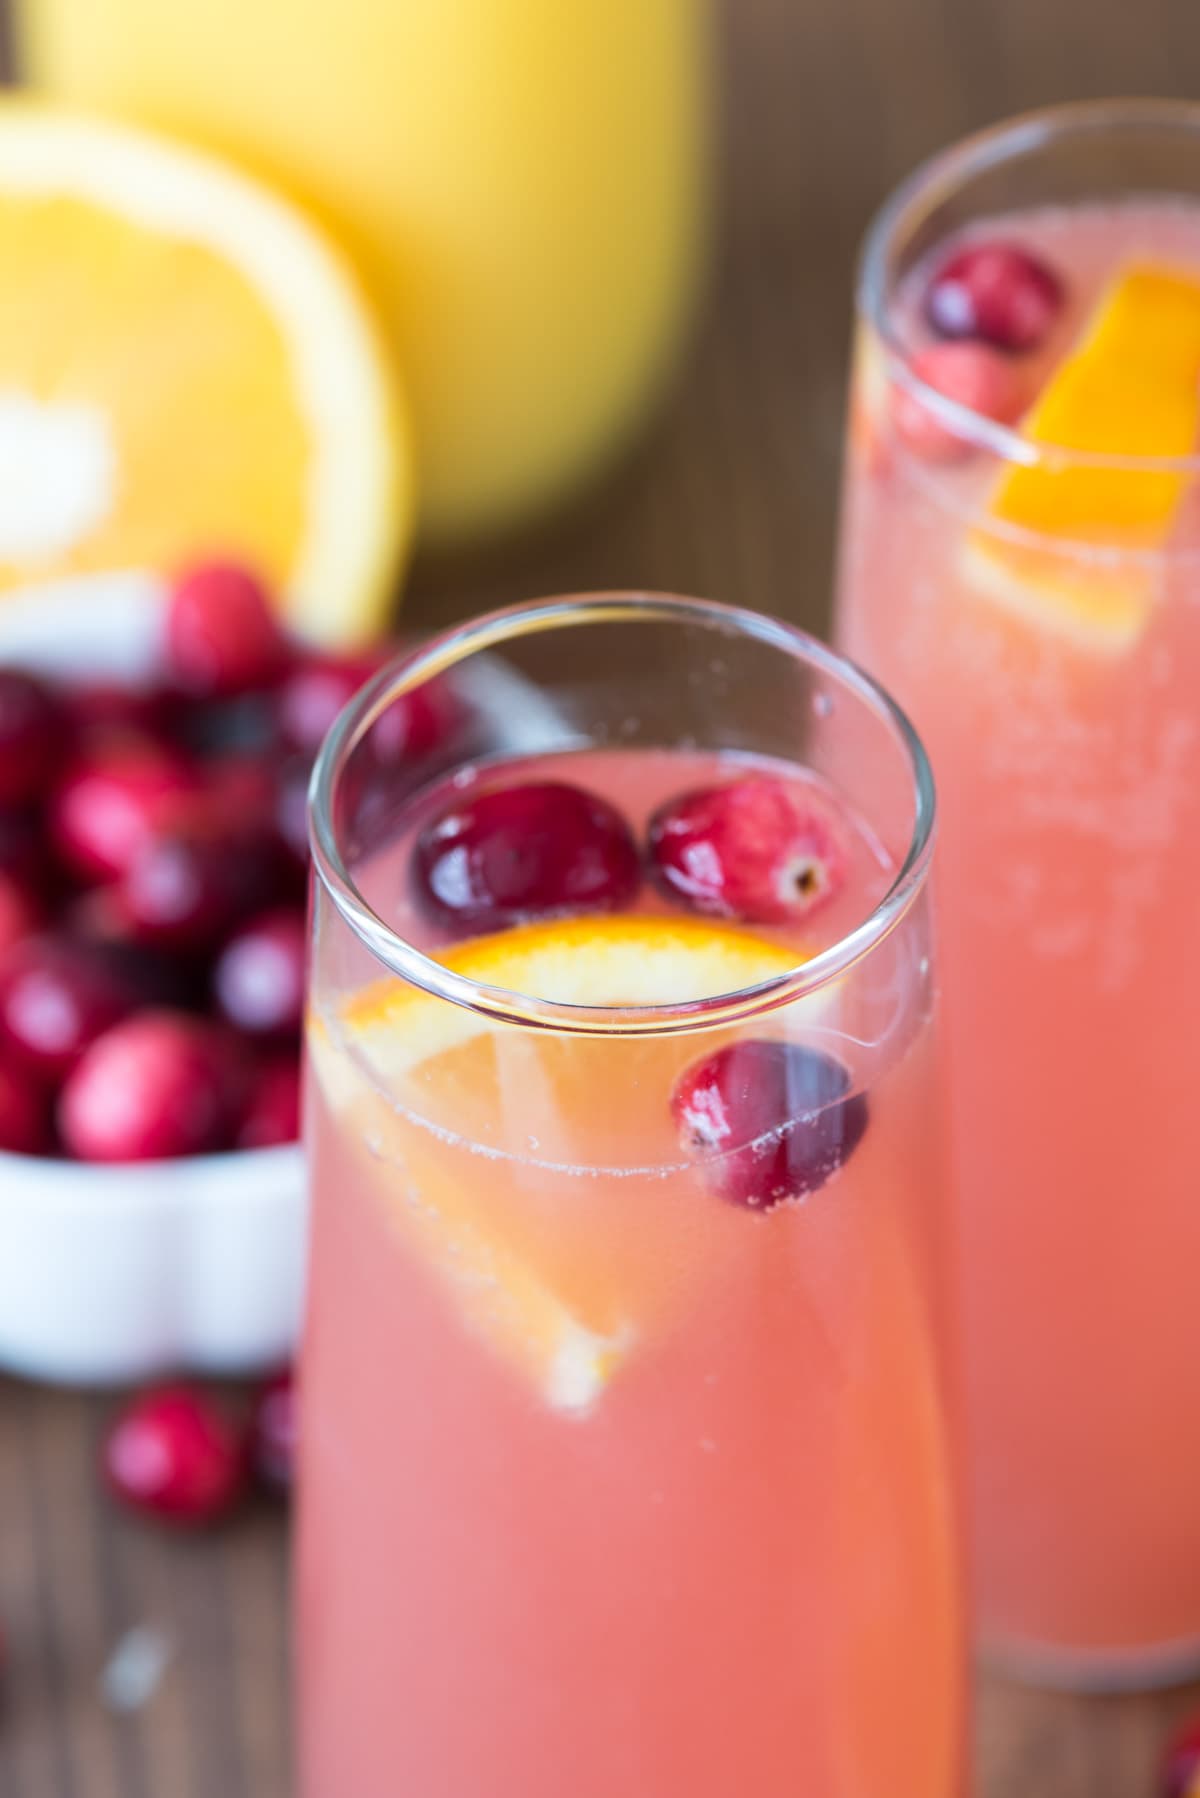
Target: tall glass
(619, 1475)
(1053, 669)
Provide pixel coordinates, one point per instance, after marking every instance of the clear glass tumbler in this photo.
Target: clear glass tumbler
(627, 1463)
(1021, 564)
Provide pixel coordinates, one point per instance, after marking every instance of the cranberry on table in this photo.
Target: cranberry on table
(159, 1085)
(272, 1113)
(186, 888)
(24, 1114)
(526, 851)
(176, 1454)
(994, 292)
(222, 634)
(975, 377)
(258, 980)
(767, 1120)
(759, 849)
(115, 801)
(57, 996)
(274, 1432)
(31, 736)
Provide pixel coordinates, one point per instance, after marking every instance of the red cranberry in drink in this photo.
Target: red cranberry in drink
(767, 1120)
(526, 851)
(223, 636)
(159, 1085)
(176, 1454)
(56, 997)
(186, 888)
(272, 1114)
(976, 378)
(274, 1432)
(31, 737)
(258, 980)
(759, 849)
(994, 292)
(112, 803)
(1180, 1776)
(24, 1114)
(20, 913)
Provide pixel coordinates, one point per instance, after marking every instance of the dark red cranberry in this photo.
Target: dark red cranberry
(185, 889)
(20, 913)
(161, 1084)
(156, 976)
(223, 636)
(768, 1120)
(272, 1114)
(102, 709)
(760, 849)
(412, 725)
(526, 851)
(24, 1114)
(258, 980)
(977, 378)
(1181, 1763)
(56, 997)
(274, 1432)
(314, 693)
(22, 847)
(112, 803)
(997, 293)
(243, 786)
(176, 1454)
(31, 737)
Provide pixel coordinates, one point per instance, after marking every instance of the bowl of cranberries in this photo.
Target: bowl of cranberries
(154, 757)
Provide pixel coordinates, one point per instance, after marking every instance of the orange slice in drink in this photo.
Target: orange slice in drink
(491, 1141)
(1066, 544)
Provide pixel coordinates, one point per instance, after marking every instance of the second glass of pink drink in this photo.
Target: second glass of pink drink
(1021, 563)
(627, 1462)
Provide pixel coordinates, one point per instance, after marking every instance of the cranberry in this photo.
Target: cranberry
(186, 888)
(314, 693)
(1181, 1763)
(291, 809)
(20, 913)
(158, 1085)
(517, 852)
(258, 980)
(56, 997)
(24, 1115)
(101, 709)
(412, 725)
(272, 1114)
(996, 293)
(112, 803)
(98, 917)
(173, 1452)
(223, 637)
(970, 374)
(768, 1120)
(243, 786)
(273, 1432)
(760, 849)
(22, 846)
(30, 737)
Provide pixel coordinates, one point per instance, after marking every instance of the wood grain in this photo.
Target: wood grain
(733, 495)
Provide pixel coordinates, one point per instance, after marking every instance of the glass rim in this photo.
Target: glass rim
(937, 177)
(450, 647)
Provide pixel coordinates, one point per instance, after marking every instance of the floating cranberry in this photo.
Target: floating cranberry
(760, 849)
(258, 980)
(976, 378)
(159, 1085)
(112, 803)
(768, 1120)
(1181, 1763)
(274, 1432)
(997, 293)
(24, 1114)
(176, 1454)
(20, 913)
(31, 737)
(56, 997)
(186, 888)
(526, 851)
(272, 1114)
(223, 637)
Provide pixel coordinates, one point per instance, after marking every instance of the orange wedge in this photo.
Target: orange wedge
(1066, 543)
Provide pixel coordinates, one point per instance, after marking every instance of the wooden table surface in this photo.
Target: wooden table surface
(733, 495)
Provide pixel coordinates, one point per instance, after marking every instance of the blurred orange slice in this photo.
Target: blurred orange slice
(188, 368)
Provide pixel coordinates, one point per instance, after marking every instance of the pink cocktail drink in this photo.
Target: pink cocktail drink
(627, 1464)
(1020, 558)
